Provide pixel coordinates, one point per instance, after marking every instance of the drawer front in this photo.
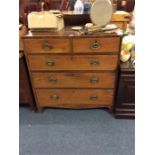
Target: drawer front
(47, 45)
(73, 80)
(96, 45)
(53, 62)
(74, 97)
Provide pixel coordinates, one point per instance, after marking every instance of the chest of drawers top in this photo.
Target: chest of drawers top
(68, 41)
(67, 32)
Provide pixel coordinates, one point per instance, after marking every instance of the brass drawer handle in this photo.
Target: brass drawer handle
(52, 80)
(95, 45)
(93, 97)
(94, 80)
(55, 97)
(94, 62)
(50, 63)
(47, 46)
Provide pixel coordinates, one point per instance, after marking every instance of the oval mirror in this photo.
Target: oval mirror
(101, 12)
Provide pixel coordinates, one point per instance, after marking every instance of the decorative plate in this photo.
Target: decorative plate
(101, 12)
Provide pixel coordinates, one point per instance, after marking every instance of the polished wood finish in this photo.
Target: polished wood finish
(48, 46)
(74, 98)
(25, 91)
(121, 19)
(96, 45)
(125, 105)
(67, 33)
(73, 80)
(78, 62)
(74, 77)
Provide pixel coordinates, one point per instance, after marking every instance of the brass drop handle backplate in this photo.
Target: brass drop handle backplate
(94, 62)
(50, 62)
(52, 80)
(47, 46)
(94, 80)
(55, 97)
(93, 97)
(95, 45)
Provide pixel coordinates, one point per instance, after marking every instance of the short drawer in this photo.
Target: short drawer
(78, 62)
(74, 97)
(73, 80)
(96, 45)
(47, 45)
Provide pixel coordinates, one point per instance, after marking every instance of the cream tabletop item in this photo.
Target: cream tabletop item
(76, 28)
(45, 20)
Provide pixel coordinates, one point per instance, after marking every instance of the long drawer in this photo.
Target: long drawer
(47, 46)
(73, 80)
(74, 97)
(96, 45)
(78, 62)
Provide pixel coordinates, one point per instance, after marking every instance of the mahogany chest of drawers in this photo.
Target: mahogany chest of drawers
(69, 70)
